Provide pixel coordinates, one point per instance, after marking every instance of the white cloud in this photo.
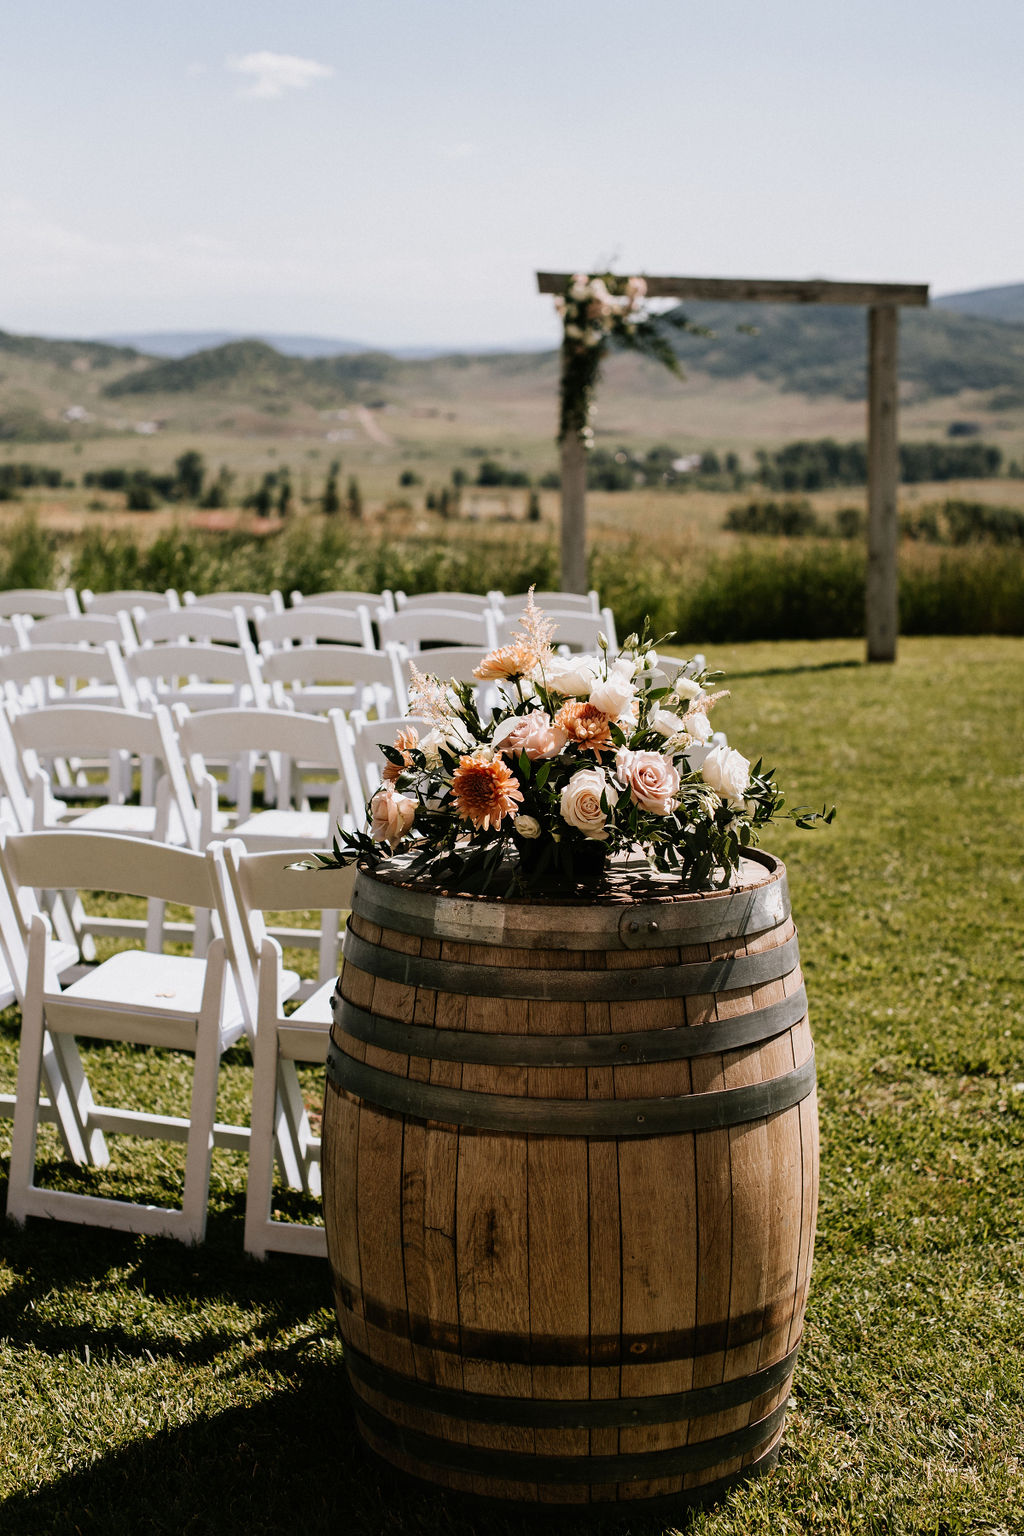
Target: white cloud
(272, 74)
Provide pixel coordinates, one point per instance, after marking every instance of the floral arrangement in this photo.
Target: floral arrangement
(583, 757)
(597, 309)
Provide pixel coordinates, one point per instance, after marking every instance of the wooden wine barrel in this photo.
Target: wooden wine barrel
(570, 1181)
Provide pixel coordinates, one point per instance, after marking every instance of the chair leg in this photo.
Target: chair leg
(328, 966)
(26, 1112)
(259, 1192)
(202, 1114)
(72, 1099)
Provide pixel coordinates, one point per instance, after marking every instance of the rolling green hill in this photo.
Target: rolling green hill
(821, 350)
(1006, 303)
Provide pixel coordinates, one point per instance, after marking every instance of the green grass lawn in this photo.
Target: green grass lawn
(146, 1387)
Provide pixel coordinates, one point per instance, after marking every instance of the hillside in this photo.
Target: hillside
(254, 366)
(1006, 303)
(821, 350)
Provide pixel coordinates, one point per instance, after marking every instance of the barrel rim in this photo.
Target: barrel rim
(637, 914)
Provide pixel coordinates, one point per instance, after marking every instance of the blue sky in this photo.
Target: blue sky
(396, 172)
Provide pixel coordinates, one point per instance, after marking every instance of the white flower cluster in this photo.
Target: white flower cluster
(591, 311)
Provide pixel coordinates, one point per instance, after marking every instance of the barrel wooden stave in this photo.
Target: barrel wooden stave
(478, 1271)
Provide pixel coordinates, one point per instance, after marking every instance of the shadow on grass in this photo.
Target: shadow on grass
(816, 666)
(291, 1463)
(48, 1257)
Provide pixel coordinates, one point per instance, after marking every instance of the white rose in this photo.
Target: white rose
(573, 676)
(727, 772)
(613, 694)
(579, 288)
(580, 802)
(526, 826)
(666, 723)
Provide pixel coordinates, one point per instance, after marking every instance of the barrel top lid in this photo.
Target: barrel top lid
(634, 908)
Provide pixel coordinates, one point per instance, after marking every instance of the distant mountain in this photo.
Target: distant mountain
(183, 343)
(252, 364)
(65, 354)
(821, 349)
(1005, 303)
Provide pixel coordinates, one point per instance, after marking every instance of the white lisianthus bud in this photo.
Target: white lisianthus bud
(666, 723)
(602, 640)
(727, 772)
(685, 688)
(698, 725)
(612, 694)
(526, 826)
(430, 746)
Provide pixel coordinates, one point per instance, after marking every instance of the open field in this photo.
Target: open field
(149, 1388)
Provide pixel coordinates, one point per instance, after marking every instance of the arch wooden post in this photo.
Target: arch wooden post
(883, 301)
(882, 594)
(574, 514)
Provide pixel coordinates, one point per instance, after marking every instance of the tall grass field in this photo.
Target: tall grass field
(146, 1387)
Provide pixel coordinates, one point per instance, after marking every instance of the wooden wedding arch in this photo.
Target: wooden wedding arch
(883, 302)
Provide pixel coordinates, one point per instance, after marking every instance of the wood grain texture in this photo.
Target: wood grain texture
(561, 1268)
(771, 290)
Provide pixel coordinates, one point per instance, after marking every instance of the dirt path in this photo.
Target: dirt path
(371, 426)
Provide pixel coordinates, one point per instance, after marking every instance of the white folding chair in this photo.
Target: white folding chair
(372, 600)
(37, 602)
(251, 884)
(315, 678)
(125, 742)
(309, 625)
(416, 627)
(368, 736)
(199, 675)
(132, 746)
(197, 623)
(447, 602)
(73, 629)
(251, 603)
(66, 674)
(61, 1063)
(575, 631)
(180, 1003)
(453, 661)
(127, 600)
(510, 606)
(296, 747)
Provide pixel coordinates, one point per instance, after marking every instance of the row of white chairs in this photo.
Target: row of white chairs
(185, 779)
(308, 657)
(40, 602)
(197, 1005)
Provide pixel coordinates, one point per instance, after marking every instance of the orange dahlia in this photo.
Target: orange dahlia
(485, 792)
(405, 740)
(508, 661)
(585, 724)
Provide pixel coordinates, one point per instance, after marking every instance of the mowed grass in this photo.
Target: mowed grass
(145, 1387)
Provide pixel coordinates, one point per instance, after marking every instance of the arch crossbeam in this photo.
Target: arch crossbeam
(883, 302)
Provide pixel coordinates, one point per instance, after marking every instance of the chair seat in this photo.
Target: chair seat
(129, 820)
(317, 1007)
(284, 829)
(172, 984)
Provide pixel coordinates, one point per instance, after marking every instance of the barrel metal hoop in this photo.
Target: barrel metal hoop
(549, 1413)
(686, 918)
(525, 1467)
(724, 974)
(618, 1050)
(570, 1117)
